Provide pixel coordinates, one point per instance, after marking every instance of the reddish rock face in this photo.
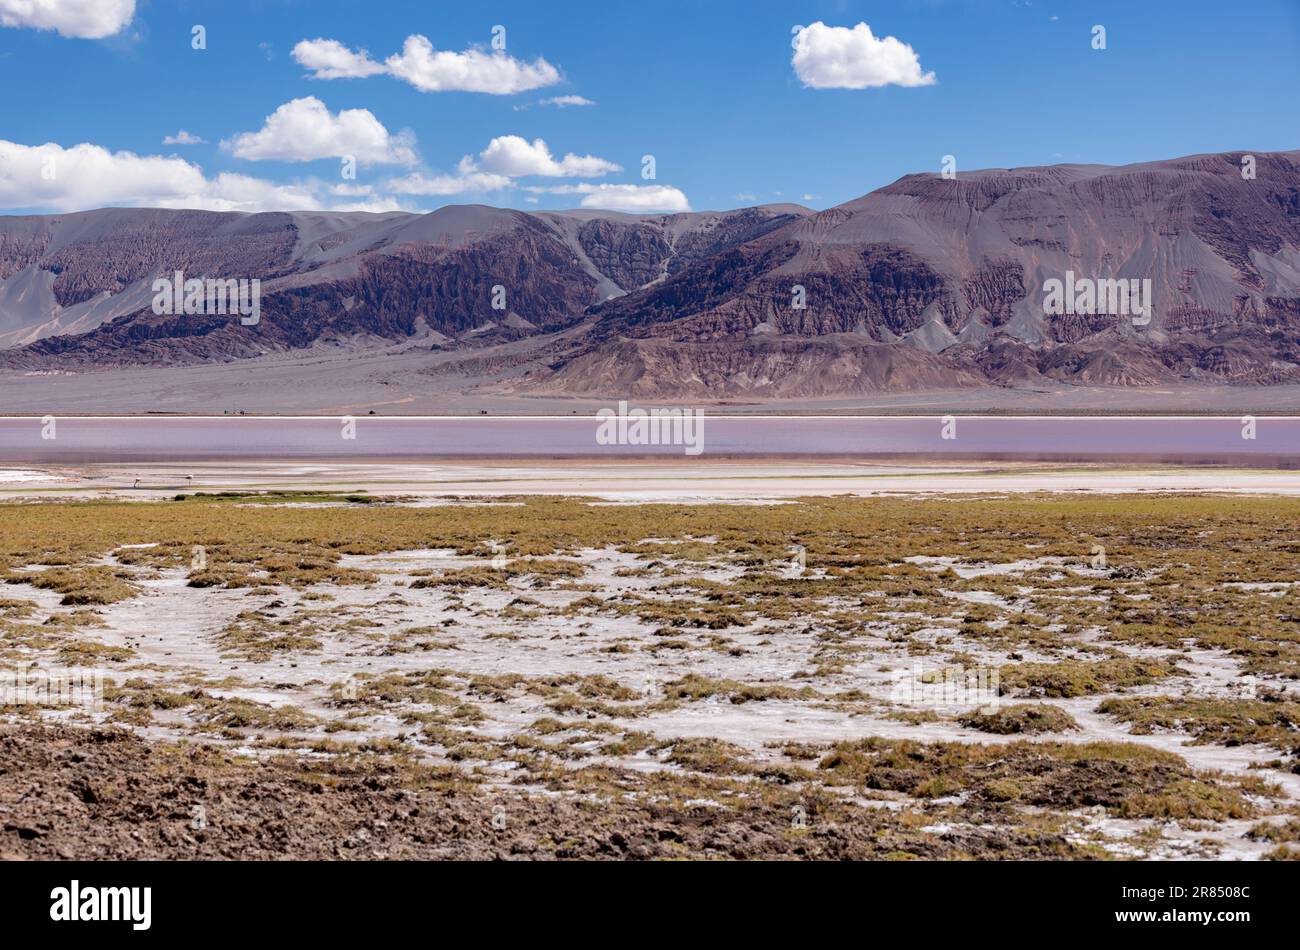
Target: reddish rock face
(782, 368)
(926, 283)
(352, 278)
(957, 269)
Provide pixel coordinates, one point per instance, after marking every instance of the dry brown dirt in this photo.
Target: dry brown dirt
(74, 793)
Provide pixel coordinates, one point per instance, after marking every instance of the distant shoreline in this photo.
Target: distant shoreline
(708, 411)
(663, 480)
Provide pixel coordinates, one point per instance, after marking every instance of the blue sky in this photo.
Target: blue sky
(705, 86)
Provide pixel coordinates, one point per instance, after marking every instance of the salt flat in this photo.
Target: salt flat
(660, 479)
(759, 660)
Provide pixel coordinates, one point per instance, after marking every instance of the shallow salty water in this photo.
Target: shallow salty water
(1191, 440)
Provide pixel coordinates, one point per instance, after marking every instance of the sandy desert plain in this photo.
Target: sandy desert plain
(731, 659)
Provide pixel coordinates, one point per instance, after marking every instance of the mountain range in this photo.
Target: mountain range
(930, 283)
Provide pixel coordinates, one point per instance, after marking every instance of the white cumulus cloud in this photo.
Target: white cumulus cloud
(233, 192)
(497, 73)
(302, 130)
(563, 102)
(429, 69)
(506, 158)
(183, 138)
(87, 176)
(82, 19)
(442, 185)
(330, 59)
(636, 199)
(515, 156)
(837, 57)
(374, 206)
